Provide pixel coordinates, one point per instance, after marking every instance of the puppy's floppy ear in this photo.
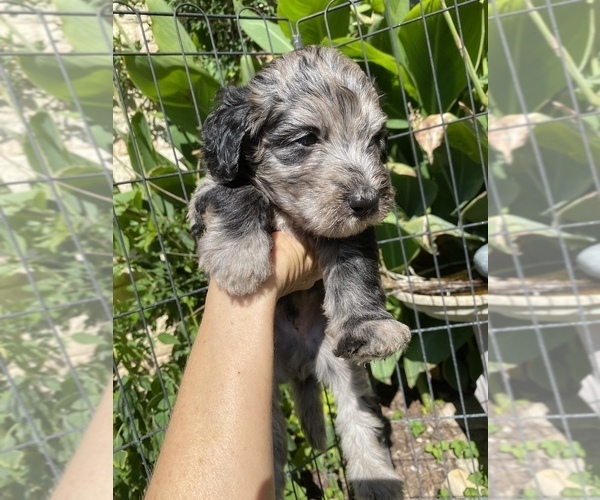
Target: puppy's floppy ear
(223, 133)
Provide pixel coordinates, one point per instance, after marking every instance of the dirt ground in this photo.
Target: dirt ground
(423, 474)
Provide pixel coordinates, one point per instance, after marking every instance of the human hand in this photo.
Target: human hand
(295, 266)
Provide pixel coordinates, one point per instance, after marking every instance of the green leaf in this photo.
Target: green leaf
(417, 427)
(469, 138)
(85, 33)
(457, 375)
(387, 40)
(383, 370)
(459, 178)
(140, 148)
(412, 370)
(168, 339)
(443, 70)
(397, 249)
(266, 34)
(434, 345)
(180, 90)
(534, 74)
(44, 148)
(359, 49)
(88, 339)
(428, 228)
(516, 347)
(501, 227)
(477, 209)
(330, 24)
(168, 31)
(583, 209)
(247, 69)
(408, 189)
(90, 78)
(171, 184)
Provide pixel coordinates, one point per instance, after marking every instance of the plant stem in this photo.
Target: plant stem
(560, 51)
(465, 55)
(423, 389)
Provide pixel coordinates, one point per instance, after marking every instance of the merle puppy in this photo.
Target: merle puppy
(301, 149)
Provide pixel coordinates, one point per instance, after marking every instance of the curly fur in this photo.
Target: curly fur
(301, 149)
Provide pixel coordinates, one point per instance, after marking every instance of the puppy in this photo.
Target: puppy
(302, 149)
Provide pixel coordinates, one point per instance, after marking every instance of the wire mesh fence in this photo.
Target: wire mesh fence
(156, 169)
(430, 62)
(55, 192)
(543, 327)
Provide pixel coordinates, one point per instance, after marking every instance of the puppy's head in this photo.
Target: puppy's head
(308, 131)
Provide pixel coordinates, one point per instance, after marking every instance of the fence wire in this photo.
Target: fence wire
(317, 474)
(55, 190)
(430, 62)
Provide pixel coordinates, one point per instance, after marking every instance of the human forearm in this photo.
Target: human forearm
(219, 440)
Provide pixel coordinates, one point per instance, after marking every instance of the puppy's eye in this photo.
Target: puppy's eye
(307, 140)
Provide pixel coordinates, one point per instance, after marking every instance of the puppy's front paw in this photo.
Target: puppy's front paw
(238, 268)
(372, 339)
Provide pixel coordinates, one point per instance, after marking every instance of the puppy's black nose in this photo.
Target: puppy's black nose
(363, 202)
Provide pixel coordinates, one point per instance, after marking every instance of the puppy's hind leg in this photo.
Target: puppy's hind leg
(361, 428)
(307, 402)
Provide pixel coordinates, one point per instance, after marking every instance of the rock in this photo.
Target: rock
(480, 260)
(468, 465)
(588, 261)
(457, 482)
(550, 483)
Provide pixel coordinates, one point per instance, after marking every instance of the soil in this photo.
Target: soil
(423, 474)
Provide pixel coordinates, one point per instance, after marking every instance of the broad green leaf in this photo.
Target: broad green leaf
(176, 88)
(583, 209)
(514, 347)
(359, 50)
(442, 70)
(140, 148)
(566, 138)
(45, 149)
(85, 33)
(464, 137)
(171, 184)
(266, 34)
(434, 345)
(534, 70)
(513, 227)
(459, 179)
(397, 248)
(412, 369)
(247, 69)
(457, 375)
(85, 180)
(386, 36)
(383, 370)
(168, 31)
(397, 124)
(168, 339)
(90, 77)
(330, 24)
(428, 227)
(408, 189)
(477, 209)
(89, 339)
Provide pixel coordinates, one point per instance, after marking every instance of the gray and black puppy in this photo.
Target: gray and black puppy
(301, 149)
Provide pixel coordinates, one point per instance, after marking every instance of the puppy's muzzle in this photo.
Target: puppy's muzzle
(363, 203)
